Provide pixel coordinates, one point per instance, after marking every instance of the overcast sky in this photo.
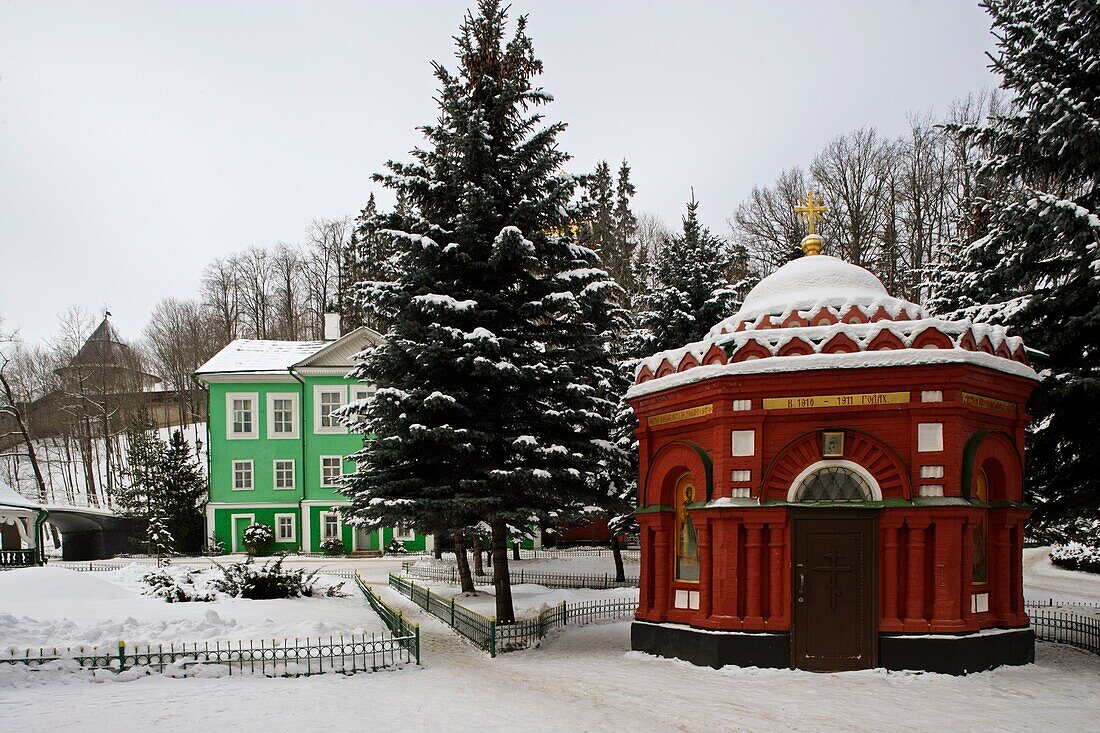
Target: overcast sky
(140, 140)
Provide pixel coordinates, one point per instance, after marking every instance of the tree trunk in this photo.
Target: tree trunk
(18, 415)
(489, 556)
(620, 571)
(463, 563)
(501, 579)
(478, 568)
(438, 550)
(515, 550)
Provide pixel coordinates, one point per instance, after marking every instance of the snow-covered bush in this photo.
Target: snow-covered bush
(163, 584)
(257, 537)
(1076, 556)
(332, 546)
(396, 547)
(269, 580)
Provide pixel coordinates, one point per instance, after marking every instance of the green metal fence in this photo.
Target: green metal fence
(347, 653)
(489, 635)
(401, 628)
(520, 576)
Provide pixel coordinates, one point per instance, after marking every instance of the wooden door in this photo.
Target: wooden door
(834, 592)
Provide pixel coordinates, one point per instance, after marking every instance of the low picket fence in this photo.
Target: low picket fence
(562, 552)
(496, 638)
(347, 653)
(519, 576)
(1066, 627)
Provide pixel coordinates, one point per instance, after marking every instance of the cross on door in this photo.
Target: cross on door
(832, 569)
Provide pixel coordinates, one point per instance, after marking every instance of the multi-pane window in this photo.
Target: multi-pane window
(404, 531)
(284, 528)
(284, 474)
(332, 467)
(282, 416)
(330, 525)
(242, 475)
(240, 416)
(329, 400)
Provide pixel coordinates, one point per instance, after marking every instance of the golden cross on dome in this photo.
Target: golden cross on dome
(810, 209)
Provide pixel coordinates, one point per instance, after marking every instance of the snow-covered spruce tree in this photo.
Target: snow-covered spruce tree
(182, 489)
(158, 540)
(691, 290)
(144, 482)
(365, 256)
(1038, 268)
(481, 412)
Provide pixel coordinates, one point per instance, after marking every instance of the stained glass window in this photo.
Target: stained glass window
(834, 483)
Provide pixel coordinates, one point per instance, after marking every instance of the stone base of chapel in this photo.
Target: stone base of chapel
(954, 654)
(712, 648)
(957, 654)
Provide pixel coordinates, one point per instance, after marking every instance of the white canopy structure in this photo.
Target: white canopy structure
(26, 517)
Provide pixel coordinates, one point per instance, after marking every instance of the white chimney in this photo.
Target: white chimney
(332, 326)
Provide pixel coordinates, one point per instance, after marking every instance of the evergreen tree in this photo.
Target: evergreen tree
(158, 539)
(626, 230)
(1036, 271)
(143, 486)
(692, 290)
(183, 489)
(482, 411)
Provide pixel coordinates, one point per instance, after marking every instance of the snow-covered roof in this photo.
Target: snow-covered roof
(829, 314)
(9, 497)
(257, 356)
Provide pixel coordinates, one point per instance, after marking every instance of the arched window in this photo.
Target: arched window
(978, 532)
(687, 540)
(833, 483)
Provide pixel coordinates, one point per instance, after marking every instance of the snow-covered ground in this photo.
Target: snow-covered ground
(527, 599)
(1043, 580)
(59, 607)
(579, 678)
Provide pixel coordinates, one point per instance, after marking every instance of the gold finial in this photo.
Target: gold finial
(809, 210)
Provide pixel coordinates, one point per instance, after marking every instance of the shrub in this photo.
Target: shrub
(257, 537)
(1076, 556)
(163, 584)
(269, 580)
(332, 546)
(396, 547)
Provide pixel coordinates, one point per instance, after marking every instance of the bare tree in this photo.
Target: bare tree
(220, 294)
(324, 268)
(177, 340)
(767, 225)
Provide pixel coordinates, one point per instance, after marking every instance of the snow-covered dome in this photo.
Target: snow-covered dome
(809, 286)
(820, 312)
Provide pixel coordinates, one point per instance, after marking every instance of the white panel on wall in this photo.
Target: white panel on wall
(932, 395)
(931, 471)
(693, 600)
(929, 437)
(681, 599)
(931, 490)
(740, 492)
(742, 405)
(979, 603)
(744, 442)
(741, 476)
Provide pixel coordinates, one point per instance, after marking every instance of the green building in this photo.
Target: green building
(276, 448)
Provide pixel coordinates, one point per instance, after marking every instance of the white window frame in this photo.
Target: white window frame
(318, 390)
(403, 536)
(254, 398)
(293, 527)
(294, 418)
(359, 392)
(275, 474)
(251, 475)
(324, 526)
(341, 466)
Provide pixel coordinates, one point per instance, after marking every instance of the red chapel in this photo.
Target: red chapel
(832, 480)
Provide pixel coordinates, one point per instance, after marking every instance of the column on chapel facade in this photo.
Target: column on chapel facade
(914, 575)
(1000, 603)
(662, 567)
(777, 542)
(946, 585)
(889, 526)
(705, 567)
(724, 581)
(754, 576)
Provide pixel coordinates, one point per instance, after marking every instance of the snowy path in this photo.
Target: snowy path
(1043, 580)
